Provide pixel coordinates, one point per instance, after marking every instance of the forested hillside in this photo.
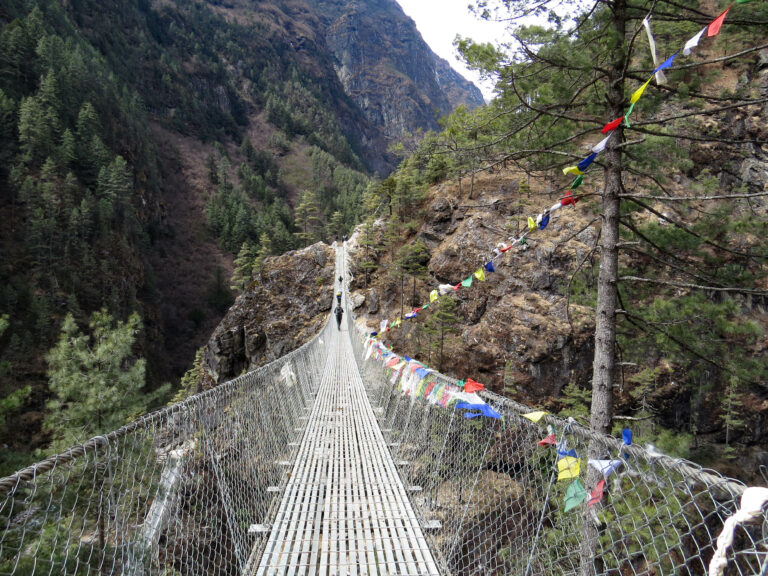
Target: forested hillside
(151, 154)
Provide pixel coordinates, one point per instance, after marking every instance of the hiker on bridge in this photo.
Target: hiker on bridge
(338, 297)
(339, 313)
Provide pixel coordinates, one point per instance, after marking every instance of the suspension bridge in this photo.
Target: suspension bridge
(319, 464)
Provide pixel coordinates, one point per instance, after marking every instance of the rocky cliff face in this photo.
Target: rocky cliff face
(280, 310)
(514, 332)
(388, 70)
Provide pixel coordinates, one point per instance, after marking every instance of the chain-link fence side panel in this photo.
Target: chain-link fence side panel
(175, 492)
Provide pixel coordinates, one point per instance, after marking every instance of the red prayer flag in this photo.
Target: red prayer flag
(457, 286)
(597, 494)
(716, 24)
(548, 441)
(505, 249)
(472, 386)
(612, 125)
(568, 199)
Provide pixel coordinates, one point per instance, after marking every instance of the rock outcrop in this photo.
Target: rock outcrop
(516, 331)
(280, 311)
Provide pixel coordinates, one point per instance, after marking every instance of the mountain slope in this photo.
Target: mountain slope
(388, 69)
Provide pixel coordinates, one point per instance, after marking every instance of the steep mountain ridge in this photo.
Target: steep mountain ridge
(395, 78)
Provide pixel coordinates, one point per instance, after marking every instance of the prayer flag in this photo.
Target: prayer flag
(716, 24)
(568, 467)
(467, 282)
(433, 296)
(599, 147)
(606, 467)
(639, 92)
(612, 125)
(597, 494)
(666, 64)
(457, 286)
(574, 495)
(472, 386)
(693, 42)
(444, 289)
(626, 436)
(577, 182)
(572, 170)
(410, 315)
(544, 221)
(584, 164)
(489, 267)
(568, 199)
(548, 441)
(383, 326)
(425, 306)
(531, 223)
(392, 362)
(422, 372)
(563, 452)
(429, 389)
(534, 416)
(660, 79)
(480, 274)
(396, 323)
(484, 409)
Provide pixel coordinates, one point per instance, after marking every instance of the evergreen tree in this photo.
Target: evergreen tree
(308, 219)
(241, 276)
(442, 323)
(96, 383)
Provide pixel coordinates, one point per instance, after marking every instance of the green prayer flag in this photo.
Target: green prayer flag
(742, 1)
(577, 182)
(467, 283)
(425, 306)
(574, 495)
(626, 116)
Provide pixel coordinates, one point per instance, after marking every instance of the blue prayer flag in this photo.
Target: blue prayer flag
(626, 436)
(544, 222)
(485, 410)
(667, 63)
(421, 372)
(584, 164)
(490, 267)
(564, 453)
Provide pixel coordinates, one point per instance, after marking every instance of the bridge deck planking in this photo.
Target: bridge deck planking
(344, 511)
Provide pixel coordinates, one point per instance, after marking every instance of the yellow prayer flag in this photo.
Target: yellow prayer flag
(480, 274)
(568, 467)
(639, 91)
(531, 223)
(396, 323)
(433, 296)
(535, 416)
(573, 170)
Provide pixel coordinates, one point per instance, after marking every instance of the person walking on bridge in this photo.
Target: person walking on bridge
(339, 313)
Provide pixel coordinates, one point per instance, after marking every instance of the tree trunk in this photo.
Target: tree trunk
(603, 367)
(402, 295)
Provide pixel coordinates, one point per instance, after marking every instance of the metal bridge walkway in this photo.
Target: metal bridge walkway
(345, 510)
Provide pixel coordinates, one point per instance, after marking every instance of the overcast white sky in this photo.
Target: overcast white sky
(439, 21)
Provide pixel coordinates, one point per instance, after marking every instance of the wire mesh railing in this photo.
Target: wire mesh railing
(190, 489)
(492, 497)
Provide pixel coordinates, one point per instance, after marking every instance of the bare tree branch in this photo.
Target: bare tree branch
(737, 289)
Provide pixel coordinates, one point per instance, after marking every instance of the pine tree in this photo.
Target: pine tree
(241, 276)
(307, 215)
(96, 383)
(442, 323)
